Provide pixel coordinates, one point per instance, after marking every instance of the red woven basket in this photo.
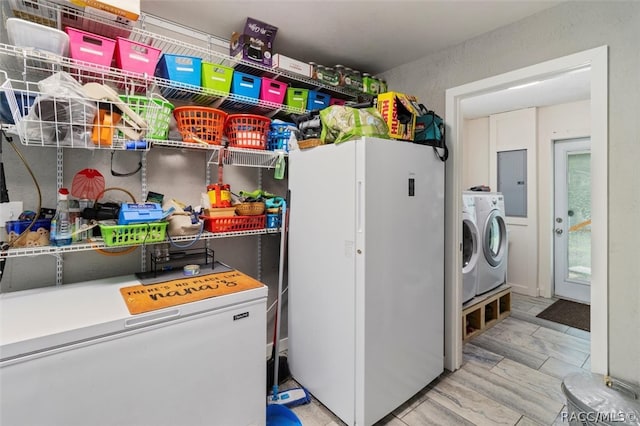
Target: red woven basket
(206, 124)
(247, 131)
(234, 223)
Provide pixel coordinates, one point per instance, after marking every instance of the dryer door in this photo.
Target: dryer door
(469, 245)
(495, 238)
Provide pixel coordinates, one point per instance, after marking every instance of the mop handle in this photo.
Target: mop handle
(283, 241)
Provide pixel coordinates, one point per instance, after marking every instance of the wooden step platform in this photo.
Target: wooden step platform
(483, 312)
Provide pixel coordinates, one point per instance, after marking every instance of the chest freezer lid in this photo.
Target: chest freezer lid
(32, 321)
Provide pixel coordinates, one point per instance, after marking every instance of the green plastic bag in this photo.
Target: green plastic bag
(342, 123)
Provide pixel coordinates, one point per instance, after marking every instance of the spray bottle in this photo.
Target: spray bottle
(61, 222)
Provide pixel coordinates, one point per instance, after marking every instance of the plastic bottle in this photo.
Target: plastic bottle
(330, 76)
(320, 72)
(383, 86)
(161, 252)
(314, 70)
(280, 166)
(366, 82)
(340, 74)
(348, 73)
(61, 222)
(356, 81)
(75, 218)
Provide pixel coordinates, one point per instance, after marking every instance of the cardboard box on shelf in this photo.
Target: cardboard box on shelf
(114, 17)
(399, 111)
(284, 63)
(32, 10)
(255, 43)
(113, 26)
(129, 9)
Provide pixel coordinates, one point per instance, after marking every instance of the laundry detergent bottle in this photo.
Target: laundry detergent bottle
(61, 222)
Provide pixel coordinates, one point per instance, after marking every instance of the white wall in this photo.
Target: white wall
(509, 131)
(475, 155)
(565, 29)
(563, 121)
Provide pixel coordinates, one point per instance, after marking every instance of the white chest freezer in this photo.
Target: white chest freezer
(74, 355)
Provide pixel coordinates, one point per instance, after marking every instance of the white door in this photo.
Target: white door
(572, 219)
(399, 275)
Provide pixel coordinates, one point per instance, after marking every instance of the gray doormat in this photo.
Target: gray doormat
(569, 313)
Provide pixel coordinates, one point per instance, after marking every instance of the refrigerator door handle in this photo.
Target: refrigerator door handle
(359, 207)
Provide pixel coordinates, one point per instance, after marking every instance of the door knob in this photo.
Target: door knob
(559, 231)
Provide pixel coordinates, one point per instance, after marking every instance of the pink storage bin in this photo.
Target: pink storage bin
(272, 90)
(336, 101)
(136, 57)
(89, 47)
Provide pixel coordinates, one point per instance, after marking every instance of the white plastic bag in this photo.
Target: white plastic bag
(61, 114)
(180, 221)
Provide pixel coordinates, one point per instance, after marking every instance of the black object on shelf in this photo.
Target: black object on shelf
(169, 261)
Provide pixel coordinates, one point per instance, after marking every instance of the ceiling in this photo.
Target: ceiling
(377, 35)
(571, 86)
(368, 35)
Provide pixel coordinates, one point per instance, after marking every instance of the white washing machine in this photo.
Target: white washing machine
(470, 247)
(492, 264)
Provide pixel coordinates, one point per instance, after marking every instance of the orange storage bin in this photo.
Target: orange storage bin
(206, 124)
(247, 131)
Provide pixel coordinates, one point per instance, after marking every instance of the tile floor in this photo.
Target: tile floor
(511, 375)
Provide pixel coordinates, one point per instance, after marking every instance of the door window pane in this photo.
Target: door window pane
(495, 237)
(579, 215)
(468, 244)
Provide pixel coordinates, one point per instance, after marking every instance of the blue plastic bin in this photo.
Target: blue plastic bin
(317, 100)
(279, 135)
(181, 69)
(273, 220)
(24, 101)
(245, 85)
(279, 415)
(17, 227)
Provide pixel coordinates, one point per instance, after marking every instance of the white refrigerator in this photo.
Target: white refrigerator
(74, 355)
(366, 274)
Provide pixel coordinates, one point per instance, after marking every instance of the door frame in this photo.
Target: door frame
(586, 141)
(597, 60)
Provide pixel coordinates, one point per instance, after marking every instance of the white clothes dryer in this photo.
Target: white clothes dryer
(492, 264)
(470, 247)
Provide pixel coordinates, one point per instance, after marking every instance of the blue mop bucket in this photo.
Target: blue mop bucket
(279, 415)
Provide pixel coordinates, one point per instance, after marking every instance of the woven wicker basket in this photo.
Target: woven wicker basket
(309, 143)
(250, 209)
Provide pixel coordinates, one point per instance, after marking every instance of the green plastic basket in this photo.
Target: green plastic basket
(158, 115)
(216, 77)
(139, 233)
(297, 98)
